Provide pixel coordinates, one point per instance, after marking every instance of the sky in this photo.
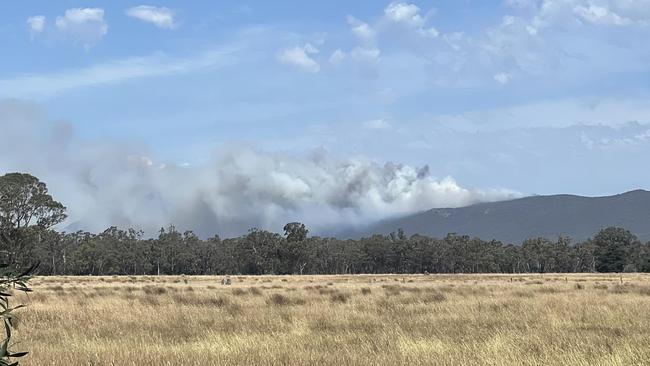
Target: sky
(329, 112)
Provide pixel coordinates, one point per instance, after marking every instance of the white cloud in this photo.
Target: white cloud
(299, 56)
(522, 4)
(337, 57)
(46, 85)
(515, 45)
(594, 12)
(550, 113)
(531, 43)
(36, 23)
(429, 32)
(83, 25)
(531, 30)
(80, 16)
(637, 10)
(161, 17)
(409, 16)
(361, 29)
(309, 48)
(377, 124)
(536, 39)
(600, 15)
(503, 77)
(367, 54)
(404, 13)
(455, 40)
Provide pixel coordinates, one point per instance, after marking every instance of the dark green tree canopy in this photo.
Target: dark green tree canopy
(24, 201)
(612, 247)
(295, 231)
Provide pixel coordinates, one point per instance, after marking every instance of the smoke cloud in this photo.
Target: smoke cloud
(105, 183)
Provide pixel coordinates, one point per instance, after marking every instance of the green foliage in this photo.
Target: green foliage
(24, 201)
(8, 284)
(125, 252)
(27, 211)
(295, 231)
(613, 248)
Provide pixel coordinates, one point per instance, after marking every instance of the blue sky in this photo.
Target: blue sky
(527, 96)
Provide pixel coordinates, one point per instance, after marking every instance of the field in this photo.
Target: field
(550, 319)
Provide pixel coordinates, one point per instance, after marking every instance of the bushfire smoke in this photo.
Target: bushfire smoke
(106, 183)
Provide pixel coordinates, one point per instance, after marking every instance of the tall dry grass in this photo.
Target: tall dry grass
(339, 320)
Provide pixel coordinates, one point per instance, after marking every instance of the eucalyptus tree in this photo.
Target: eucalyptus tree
(614, 249)
(26, 210)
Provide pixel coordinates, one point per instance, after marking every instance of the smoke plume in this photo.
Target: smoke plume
(105, 183)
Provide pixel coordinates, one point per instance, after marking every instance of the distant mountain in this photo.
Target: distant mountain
(519, 219)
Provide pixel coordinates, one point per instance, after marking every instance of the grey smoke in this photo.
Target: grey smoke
(106, 183)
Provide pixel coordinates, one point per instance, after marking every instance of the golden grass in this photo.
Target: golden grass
(338, 320)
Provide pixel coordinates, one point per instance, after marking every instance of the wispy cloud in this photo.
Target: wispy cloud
(564, 112)
(161, 17)
(300, 57)
(337, 57)
(594, 12)
(376, 124)
(361, 30)
(47, 85)
(36, 23)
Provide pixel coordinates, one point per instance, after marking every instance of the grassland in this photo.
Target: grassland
(547, 319)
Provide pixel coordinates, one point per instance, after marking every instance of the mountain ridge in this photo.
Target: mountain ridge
(513, 221)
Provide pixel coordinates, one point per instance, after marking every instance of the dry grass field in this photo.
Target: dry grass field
(338, 320)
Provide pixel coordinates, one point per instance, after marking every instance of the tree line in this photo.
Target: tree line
(28, 214)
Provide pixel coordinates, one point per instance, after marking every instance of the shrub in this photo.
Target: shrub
(278, 299)
(255, 291)
(339, 297)
(238, 292)
(282, 300)
(365, 291)
(326, 291)
(644, 290)
(619, 289)
(149, 300)
(434, 297)
(524, 294)
(154, 290)
(9, 283)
